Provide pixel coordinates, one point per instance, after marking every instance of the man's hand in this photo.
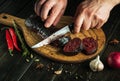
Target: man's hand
(92, 14)
(50, 11)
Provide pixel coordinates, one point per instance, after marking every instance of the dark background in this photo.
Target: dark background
(16, 68)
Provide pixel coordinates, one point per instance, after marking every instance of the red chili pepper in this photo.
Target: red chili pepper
(14, 38)
(9, 42)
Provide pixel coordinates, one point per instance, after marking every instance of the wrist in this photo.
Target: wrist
(114, 2)
(110, 4)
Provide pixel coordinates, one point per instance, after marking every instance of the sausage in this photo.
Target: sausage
(73, 46)
(89, 45)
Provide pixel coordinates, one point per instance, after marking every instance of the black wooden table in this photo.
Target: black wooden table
(19, 68)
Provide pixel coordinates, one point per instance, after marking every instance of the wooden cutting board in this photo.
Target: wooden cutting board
(51, 52)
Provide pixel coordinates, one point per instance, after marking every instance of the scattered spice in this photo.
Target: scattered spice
(48, 66)
(114, 41)
(52, 68)
(70, 72)
(48, 69)
(53, 63)
(27, 60)
(66, 71)
(37, 60)
(81, 76)
(76, 77)
(39, 66)
(31, 56)
(89, 75)
(58, 72)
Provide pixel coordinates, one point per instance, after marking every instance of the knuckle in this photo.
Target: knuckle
(53, 12)
(39, 4)
(43, 18)
(102, 20)
(47, 5)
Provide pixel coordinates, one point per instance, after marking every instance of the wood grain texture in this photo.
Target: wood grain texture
(50, 51)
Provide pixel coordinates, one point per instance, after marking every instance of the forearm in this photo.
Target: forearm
(110, 4)
(114, 2)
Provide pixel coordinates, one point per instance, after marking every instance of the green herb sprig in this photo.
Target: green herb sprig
(24, 47)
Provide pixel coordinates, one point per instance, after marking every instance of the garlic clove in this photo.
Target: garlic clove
(100, 66)
(96, 64)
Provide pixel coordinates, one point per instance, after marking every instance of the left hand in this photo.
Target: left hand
(50, 11)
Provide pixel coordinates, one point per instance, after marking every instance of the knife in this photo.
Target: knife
(54, 36)
(34, 23)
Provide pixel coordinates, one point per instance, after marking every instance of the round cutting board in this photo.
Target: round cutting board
(51, 52)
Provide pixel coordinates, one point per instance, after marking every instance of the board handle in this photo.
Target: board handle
(7, 19)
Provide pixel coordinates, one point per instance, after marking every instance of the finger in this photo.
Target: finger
(38, 6)
(53, 15)
(78, 23)
(35, 6)
(76, 14)
(78, 20)
(95, 22)
(58, 17)
(46, 9)
(86, 23)
(100, 24)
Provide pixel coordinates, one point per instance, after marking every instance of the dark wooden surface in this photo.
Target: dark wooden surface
(16, 68)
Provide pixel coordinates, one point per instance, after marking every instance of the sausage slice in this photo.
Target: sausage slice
(73, 46)
(89, 45)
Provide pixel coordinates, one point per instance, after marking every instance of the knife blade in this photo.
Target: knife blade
(34, 23)
(54, 36)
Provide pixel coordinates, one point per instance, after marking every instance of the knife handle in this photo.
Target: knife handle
(71, 26)
(35, 23)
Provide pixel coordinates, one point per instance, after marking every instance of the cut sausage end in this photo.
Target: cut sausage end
(73, 46)
(89, 45)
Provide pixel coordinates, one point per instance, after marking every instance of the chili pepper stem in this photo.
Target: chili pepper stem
(4, 28)
(10, 51)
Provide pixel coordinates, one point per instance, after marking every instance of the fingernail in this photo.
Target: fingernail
(98, 27)
(42, 19)
(86, 28)
(75, 32)
(47, 25)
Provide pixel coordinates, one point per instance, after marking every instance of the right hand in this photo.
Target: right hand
(92, 14)
(50, 11)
